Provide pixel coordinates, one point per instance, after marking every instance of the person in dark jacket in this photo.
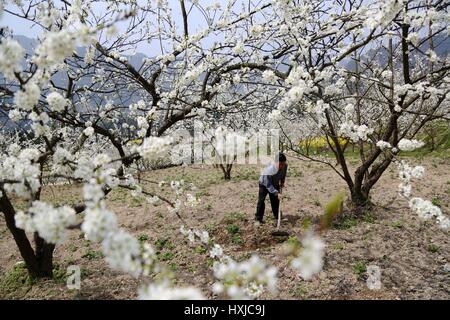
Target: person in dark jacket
(271, 182)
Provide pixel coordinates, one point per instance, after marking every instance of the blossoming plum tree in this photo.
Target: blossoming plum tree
(84, 113)
(364, 71)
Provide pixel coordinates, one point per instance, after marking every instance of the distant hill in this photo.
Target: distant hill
(61, 80)
(441, 45)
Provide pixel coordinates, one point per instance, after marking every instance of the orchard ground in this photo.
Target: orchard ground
(414, 256)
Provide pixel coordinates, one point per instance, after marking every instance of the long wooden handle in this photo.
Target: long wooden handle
(279, 211)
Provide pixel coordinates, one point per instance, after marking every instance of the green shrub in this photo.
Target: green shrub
(360, 268)
(232, 229)
(433, 248)
(142, 238)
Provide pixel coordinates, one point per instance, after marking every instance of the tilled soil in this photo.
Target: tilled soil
(414, 256)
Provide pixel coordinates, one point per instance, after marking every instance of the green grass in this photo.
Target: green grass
(437, 202)
(236, 239)
(442, 142)
(347, 223)
(142, 238)
(232, 229)
(233, 232)
(293, 240)
(15, 283)
(165, 256)
(200, 249)
(210, 262)
(92, 254)
(360, 268)
(59, 274)
(397, 224)
(306, 222)
(293, 172)
(173, 267)
(369, 217)
(161, 244)
(193, 269)
(136, 202)
(248, 175)
(338, 246)
(211, 227)
(433, 248)
(299, 291)
(164, 249)
(202, 193)
(233, 217)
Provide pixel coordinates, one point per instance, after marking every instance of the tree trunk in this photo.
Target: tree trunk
(359, 200)
(226, 171)
(40, 263)
(44, 254)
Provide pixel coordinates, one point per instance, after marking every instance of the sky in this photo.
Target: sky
(24, 27)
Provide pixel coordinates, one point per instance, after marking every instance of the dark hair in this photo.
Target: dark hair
(281, 158)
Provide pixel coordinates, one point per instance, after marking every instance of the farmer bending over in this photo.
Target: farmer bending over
(271, 182)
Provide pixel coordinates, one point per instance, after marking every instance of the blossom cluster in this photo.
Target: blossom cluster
(193, 235)
(50, 223)
(355, 132)
(163, 291)
(406, 172)
(11, 54)
(56, 101)
(409, 145)
(154, 147)
(22, 170)
(307, 258)
(244, 280)
(236, 280)
(425, 209)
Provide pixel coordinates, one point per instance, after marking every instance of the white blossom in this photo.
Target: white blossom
(409, 145)
(11, 53)
(56, 102)
(426, 210)
(310, 259)
(122, 252)
(49, 222)
(28, 97)
(15, 115)
(154, 147)
(89, 131)
(216, 251)
(383, 145)
(355, 132)
(98, 223)
(191, 200)
(244, 280)
(269, 76)
(163, 291)
(23, 170)
(55, 48)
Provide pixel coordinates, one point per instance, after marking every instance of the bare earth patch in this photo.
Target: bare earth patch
(411, 253)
